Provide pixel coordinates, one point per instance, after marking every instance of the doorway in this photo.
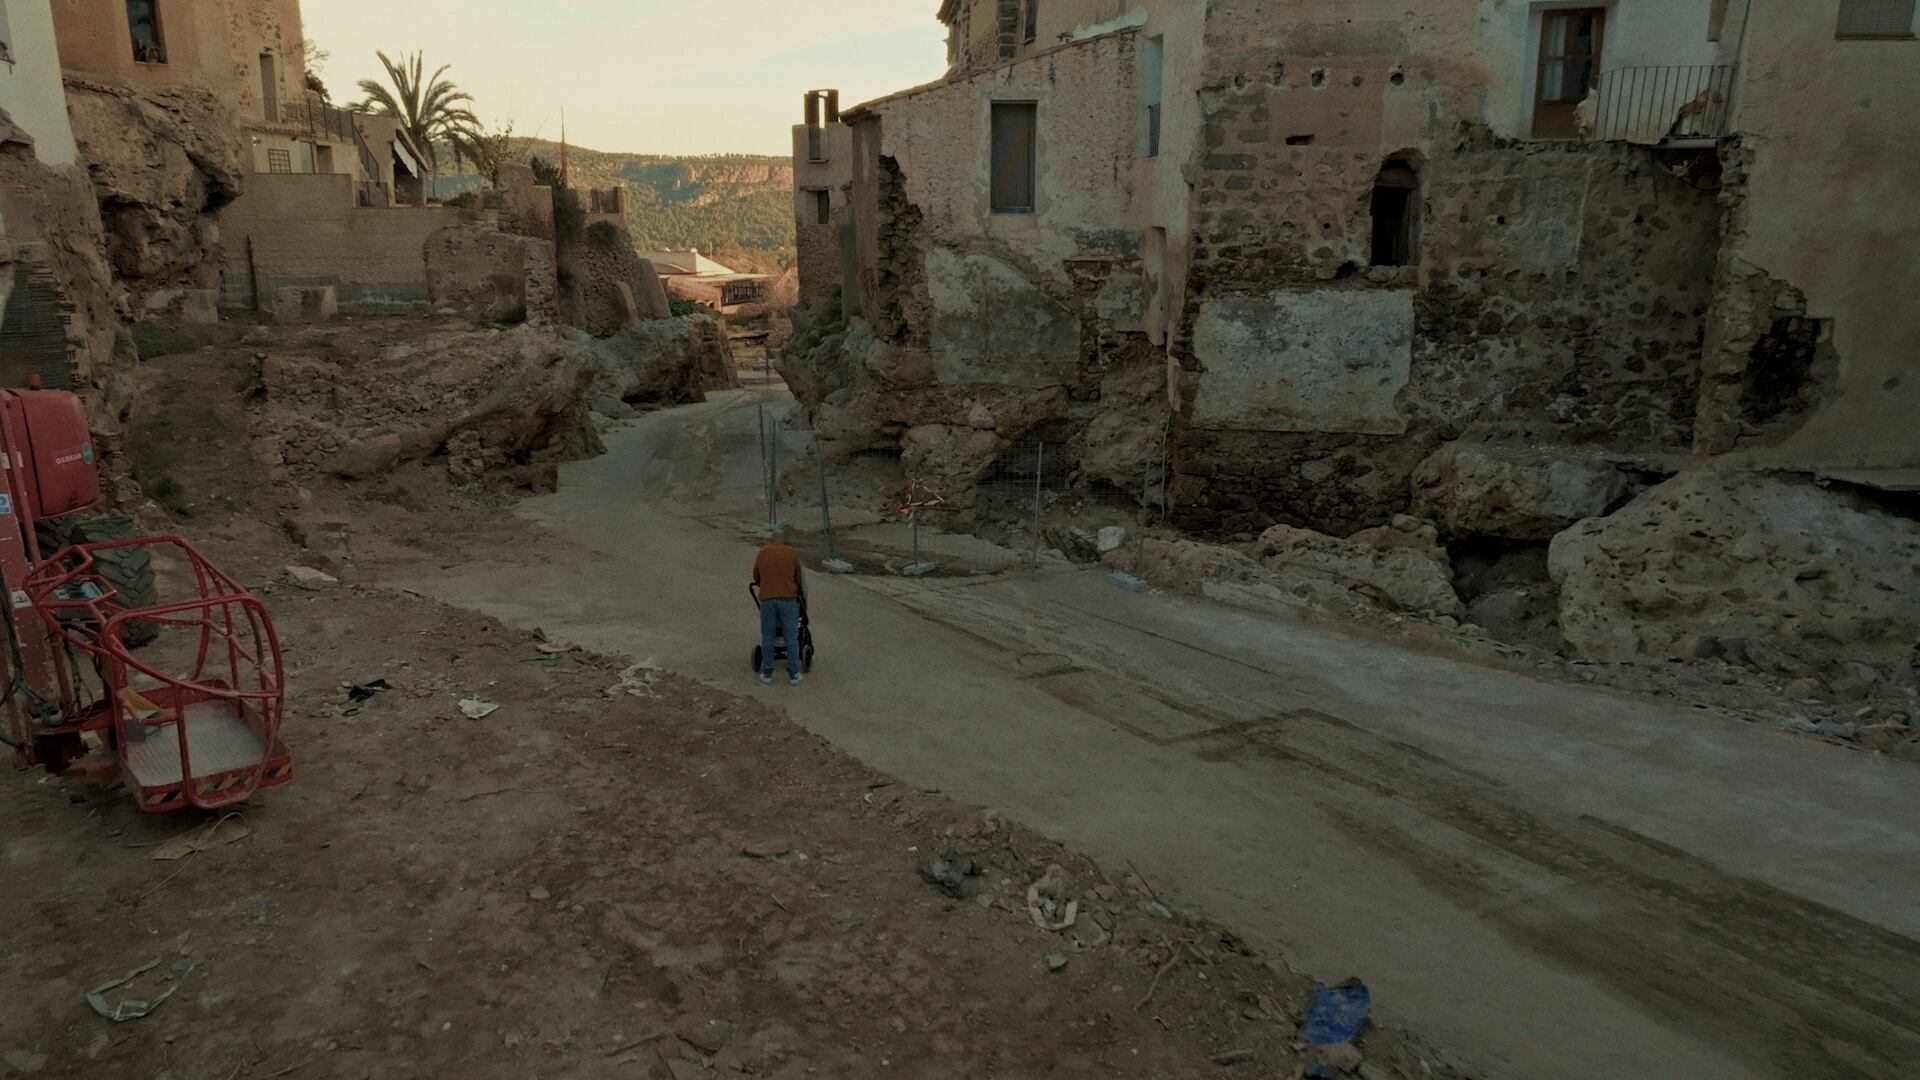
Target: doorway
(1570, 49)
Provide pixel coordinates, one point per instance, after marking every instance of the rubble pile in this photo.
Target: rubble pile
(1775, 572)
(489, 401)
(659, 362)
(495, 404)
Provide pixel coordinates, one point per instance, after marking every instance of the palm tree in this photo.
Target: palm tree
(432, 110)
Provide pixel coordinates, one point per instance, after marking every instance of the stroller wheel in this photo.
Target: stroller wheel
(758, 659)
(806, 659)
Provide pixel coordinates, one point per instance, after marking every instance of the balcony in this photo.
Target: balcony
(1663, 106)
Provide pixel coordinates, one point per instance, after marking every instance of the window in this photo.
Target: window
(143, 23)
(279, 161)
(1396, 214)
(1033, 20)
(1570, 44)
(1014, 126)
(822, 203)
(1151, 81)
(1871, 19)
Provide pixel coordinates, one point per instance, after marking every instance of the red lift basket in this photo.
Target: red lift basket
(208, 739)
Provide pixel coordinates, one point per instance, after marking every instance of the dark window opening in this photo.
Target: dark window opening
(143, 23)
(1870, 19)
(1396, 215)
(1033, 20)
(1015, 126)
(822, 207)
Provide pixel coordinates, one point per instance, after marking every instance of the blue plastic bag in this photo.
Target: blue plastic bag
(1337, 1013)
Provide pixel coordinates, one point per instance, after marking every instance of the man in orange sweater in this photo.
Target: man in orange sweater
(776, 570)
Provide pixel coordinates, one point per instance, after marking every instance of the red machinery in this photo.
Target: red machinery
(75, 700)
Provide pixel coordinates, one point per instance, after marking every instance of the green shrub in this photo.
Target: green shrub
(683, 308)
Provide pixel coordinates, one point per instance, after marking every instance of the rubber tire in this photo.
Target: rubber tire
(806, 660)
(128, 570)
(757, 657)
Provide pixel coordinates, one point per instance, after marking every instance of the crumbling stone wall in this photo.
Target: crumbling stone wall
(496, 274)
(1552, 291)
(985, 330)
(617, 288)
(58, 309)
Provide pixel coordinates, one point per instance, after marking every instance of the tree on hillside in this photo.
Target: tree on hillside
(432, 110)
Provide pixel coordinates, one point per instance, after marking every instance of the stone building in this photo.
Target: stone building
(822, 171)
(1251, 261)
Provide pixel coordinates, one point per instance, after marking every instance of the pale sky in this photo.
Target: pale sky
(643, 76)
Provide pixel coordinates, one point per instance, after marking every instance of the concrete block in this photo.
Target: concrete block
(305, 303)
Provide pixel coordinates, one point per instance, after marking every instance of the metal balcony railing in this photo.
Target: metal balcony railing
(1653, 105)
(320, 120)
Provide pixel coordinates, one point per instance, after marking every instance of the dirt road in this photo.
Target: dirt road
(1552, 880)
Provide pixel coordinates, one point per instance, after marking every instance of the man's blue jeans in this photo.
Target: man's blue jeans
(778, 617)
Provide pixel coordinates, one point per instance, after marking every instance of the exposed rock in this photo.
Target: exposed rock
(1111, 538)
(306, 577)
(1517, 491)
(163, 162)
(1402, 566)
(1774, 572)
(664, 361)
(490, 401)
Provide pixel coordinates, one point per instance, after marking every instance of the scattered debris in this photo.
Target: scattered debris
(708, 1037)
(131, 1008)
(1056, 962)
(477, 709)
(767, 849)
(1342, 1057)
(950, 875)
(362, 691)
(227, 830)
(539, 894)
(25, 1062)
(1234, 1057)
(638, 680)
(306, 577)
(1824, 729)
(836, 566)
(1048, 903)
(1129, 582)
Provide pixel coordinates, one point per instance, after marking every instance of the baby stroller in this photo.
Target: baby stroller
(780, 648)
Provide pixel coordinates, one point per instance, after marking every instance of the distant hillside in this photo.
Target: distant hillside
(736, 207)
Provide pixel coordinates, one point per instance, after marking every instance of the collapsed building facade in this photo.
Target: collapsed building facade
(1503, 265)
